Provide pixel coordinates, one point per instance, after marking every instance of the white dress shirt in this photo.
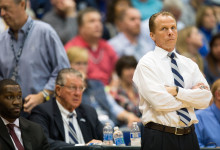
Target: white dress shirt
(64, 114)
(153, 73)
(16, 129)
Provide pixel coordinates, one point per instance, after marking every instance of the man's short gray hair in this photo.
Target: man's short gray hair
(61, 77)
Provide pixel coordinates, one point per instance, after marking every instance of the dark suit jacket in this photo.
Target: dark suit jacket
(49, 117)
(32, 135)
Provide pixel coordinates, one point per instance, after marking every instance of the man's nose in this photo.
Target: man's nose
(78, 92)
(170, 31)
(17, 101)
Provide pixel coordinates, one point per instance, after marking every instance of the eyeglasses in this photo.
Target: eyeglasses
(74, 88)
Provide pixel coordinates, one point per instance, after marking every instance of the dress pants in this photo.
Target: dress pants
(157, 140)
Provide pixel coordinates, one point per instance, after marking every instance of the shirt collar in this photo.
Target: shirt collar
(163, 53)
(64, 111)
(24, 28)
(123, 38)
(16, 122)
(216, 111)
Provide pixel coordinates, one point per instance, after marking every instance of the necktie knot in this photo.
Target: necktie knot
(171, 55)
(10, 126)
(72, 132)
(70, 115)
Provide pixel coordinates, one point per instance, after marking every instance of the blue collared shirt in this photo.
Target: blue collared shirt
(42, 57)
(123, 46)
(208, 128)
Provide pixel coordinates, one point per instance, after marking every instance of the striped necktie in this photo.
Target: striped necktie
(179, 81)
(72, 132)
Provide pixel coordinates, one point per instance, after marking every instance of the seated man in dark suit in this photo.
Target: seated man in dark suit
(17, 133)
(65, 120)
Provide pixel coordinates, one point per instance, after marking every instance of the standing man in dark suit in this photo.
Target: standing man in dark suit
(17, 133)
(65, 120)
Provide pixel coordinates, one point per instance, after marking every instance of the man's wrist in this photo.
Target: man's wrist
(46, 95)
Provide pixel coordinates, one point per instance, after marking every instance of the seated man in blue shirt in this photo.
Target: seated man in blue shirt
(207, 129)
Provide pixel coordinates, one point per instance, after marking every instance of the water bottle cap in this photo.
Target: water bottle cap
(135, 123)
(116, 128)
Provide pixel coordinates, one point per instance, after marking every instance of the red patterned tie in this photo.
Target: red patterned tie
(14, 137)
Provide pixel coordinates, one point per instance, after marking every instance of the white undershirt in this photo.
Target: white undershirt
(16, 129)
(64, 114)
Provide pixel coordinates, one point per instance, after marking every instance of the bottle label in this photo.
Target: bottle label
(136, 135)
(119, 141)
(107, 137)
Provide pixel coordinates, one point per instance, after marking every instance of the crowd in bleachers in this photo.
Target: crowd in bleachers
(104, 39)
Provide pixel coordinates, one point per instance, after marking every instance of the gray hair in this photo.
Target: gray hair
(61, 77)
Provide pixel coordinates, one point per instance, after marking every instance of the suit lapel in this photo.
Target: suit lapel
(25, 134)
(58, 119)
(83, 124)
(5, 135)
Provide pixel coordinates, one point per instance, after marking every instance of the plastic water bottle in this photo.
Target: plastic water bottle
(107, 134)
(118, 137)
(135, 135)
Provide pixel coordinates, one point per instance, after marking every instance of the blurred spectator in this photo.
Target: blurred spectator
(40, 7)
(114, 9)
(189, 12)
(207, 23)
(63, 19)
(126, 93)
(152, 7)
(188, 43)
(100, 5)
(102, 57)
(31, 53)
(129, 41)
(97, 4)
(94, 95)
(212, 2)
(175, 7)
(217, 13)
(212, 61)
(29, 10)
(207, 129)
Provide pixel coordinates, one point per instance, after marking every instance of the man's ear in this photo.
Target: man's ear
(23, 4)
(57, 90)
(152, 36)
